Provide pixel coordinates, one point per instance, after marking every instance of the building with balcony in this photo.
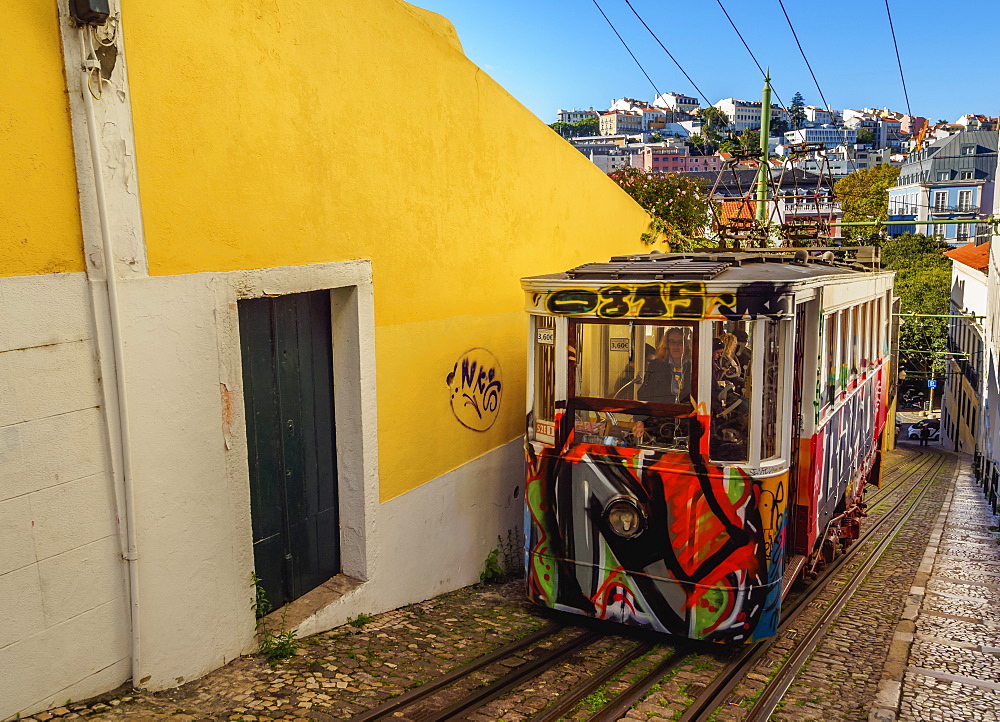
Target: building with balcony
(829, 135)
(950, 179)
(618, 122)
(961, 406)
(572, 116)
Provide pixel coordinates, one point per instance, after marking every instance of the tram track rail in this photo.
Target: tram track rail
(458, 693)
(882, 533)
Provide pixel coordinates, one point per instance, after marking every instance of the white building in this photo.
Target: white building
(677, 102)
(745, 114)
(829, 135)
(572, 116)
(818, 116)
(960, 408)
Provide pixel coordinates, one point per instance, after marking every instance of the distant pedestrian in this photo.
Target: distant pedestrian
(925, 435)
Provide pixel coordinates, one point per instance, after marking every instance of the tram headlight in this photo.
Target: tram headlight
(625, 518)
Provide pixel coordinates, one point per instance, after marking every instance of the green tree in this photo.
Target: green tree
(866, 136)
(779, 126)
(713, 118)
(678, 206)
(704, 143)
(864, 196)
(586, 126)
(797, 110)
(655, 137)
(923, 284)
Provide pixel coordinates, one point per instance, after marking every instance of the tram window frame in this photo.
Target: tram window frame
(831, 334)
(715, 330)
(576, 402)
(543, 427)
(843, 351)
(770, 444)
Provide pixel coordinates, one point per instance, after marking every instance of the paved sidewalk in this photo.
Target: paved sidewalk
(945, 662)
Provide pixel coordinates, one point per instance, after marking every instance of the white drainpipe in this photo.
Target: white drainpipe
(90, 66)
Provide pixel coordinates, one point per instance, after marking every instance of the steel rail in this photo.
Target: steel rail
(489, 692)
(724, 683)
(568, 702)
(786, 674)
(429, 688)
(623, 703)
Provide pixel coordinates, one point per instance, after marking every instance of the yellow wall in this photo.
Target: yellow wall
(39, 214)
(250, 155)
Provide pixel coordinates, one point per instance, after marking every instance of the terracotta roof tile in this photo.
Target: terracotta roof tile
(971, 255)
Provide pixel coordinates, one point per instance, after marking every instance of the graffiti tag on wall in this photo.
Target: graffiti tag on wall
(476, 385)
(679, 300)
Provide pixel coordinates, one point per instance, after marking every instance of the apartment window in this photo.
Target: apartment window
(943, 175)
(965, 175)
(968, 150)
(962, 232)
(965, 200)
(938, 230)
(940, 200)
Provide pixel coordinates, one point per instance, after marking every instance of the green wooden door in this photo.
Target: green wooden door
(287, 348)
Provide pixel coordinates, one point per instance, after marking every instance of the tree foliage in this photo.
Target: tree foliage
(713, 118)
(678, 206)
(797, 110)
(864, 196)
(866, 136)
(923, 284)
(586, 126)
(779, 126)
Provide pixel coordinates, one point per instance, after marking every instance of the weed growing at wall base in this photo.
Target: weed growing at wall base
(505, 561)
(274, 645)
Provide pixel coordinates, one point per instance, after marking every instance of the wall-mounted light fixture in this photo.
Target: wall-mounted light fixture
(90, 12)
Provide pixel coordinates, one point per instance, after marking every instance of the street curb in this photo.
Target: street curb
(890, 688)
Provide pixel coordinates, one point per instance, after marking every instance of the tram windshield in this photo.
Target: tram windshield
(631, 362)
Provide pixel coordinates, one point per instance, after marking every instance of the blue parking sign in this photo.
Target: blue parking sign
(931, 383)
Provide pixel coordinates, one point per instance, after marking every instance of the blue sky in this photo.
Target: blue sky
(553, 54)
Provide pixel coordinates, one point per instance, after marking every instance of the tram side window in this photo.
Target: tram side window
(844, 362)
(545, 378)
(830, 333)
(771, 391)
(634, 362)
(732, 379)
(856, 331)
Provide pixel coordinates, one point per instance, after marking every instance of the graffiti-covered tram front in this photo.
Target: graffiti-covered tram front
(700, 431)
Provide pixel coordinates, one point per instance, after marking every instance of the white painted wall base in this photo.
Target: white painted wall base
(63, 593)
(63, 598)
(435, 538)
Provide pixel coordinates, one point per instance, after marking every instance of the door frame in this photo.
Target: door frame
(353, 325)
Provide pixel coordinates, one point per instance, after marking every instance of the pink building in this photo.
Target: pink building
(669, 159)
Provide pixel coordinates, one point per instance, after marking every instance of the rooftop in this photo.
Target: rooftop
(971, 255)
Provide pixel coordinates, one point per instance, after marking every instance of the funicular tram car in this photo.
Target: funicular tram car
(701, 429)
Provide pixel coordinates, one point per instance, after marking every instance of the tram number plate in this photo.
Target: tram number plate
(619, 344)
(546, 335)
(545, 428)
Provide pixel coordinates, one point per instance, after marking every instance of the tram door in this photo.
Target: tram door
(796, 425)
(287, 348)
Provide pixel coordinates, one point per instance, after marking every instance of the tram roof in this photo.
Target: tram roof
(731, 267)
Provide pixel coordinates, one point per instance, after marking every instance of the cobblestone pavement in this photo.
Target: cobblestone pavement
(954, 656)
(950, 634)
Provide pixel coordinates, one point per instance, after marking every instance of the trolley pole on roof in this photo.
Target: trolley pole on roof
(765, 132)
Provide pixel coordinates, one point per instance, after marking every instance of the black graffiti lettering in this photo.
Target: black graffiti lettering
(571, 301)
(650, 301)
(615, 304)
(687, 300)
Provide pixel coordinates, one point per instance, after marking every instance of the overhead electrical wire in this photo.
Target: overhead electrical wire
(802, 52)
(611, 25)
